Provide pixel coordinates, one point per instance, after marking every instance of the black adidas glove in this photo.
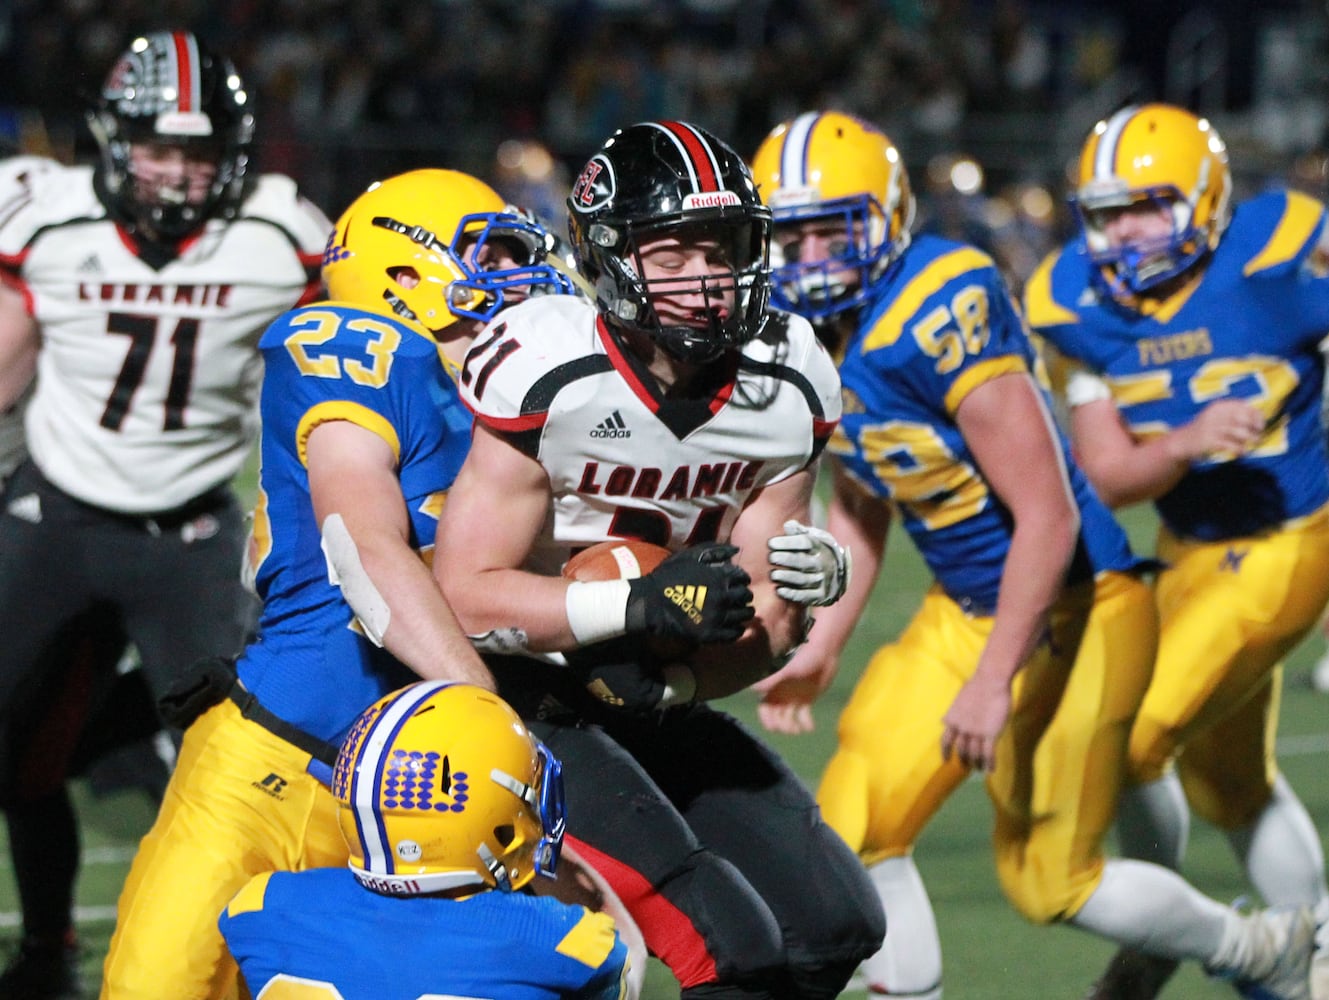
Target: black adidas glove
(620, 674)
(698, 595)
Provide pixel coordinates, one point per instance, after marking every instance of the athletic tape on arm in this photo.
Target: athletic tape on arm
(347, 572)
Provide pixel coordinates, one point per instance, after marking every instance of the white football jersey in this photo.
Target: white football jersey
(147, 379)
(625, 462)
(16, 173)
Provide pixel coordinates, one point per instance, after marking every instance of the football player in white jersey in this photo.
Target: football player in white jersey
(16, 174)
(674, 409)
(145, 283)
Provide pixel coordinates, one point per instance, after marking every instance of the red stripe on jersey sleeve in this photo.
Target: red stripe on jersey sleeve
(513, 425)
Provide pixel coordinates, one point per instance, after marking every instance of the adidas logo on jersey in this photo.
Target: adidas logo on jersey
(612, 427)
(26, 508)
(690, 601)
(91, 265)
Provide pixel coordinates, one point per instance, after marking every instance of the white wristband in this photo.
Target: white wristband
(680, 684)
(1083, 387)
(597, 611)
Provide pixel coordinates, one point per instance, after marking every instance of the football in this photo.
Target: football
(621, 559)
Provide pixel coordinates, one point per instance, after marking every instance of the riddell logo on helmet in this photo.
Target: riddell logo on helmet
(391, 886)
(711, 199)
(793, 196)
(188, 123)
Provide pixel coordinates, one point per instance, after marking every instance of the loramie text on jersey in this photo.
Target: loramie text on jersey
(179, 295)
(684, 482)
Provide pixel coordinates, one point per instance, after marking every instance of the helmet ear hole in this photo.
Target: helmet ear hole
(505, 834)
(407, 277)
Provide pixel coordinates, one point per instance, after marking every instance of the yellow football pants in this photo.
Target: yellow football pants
(1228, 612)
(1061, 759)
(240, 802)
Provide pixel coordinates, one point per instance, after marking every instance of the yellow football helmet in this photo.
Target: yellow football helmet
(412, 246)
(831, 166)
(442, 787)
(1153, 153)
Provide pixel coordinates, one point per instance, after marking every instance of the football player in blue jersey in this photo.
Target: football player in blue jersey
(1191, 327)
(449, 808)
(362, 435)
(1033, 648)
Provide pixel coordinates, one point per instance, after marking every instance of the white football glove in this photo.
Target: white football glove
(810, 566)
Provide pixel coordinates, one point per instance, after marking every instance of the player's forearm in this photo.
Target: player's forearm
(16, 372)
(399, 604)
(530, 608)
(1032, 579)
(1125, 470)
(1143, 472)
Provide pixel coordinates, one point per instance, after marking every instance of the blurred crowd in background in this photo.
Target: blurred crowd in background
(988, 99)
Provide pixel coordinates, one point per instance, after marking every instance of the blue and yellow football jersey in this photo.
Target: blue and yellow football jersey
(936, 327)
(312, 664)
(319, 933)
(1249, 328)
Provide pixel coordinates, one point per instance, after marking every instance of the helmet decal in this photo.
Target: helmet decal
(703, 167)
(378, 770)
(1105, 156)
(595, 185)
(794, 151)
(152, 79)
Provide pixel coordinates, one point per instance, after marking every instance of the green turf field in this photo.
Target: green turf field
(990, 954)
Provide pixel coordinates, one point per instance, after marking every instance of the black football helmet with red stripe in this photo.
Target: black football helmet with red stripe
(168, 88)
(653, 178)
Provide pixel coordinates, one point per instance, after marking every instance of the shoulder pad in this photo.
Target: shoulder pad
(948, 261)
(250, 898)
(521, 347)
(275, 199)
(1041, 308)
(55, 196)
(1289, 222)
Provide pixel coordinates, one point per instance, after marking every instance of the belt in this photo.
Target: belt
(244, 699)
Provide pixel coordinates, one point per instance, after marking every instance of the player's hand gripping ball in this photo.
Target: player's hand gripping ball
(623, 672)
